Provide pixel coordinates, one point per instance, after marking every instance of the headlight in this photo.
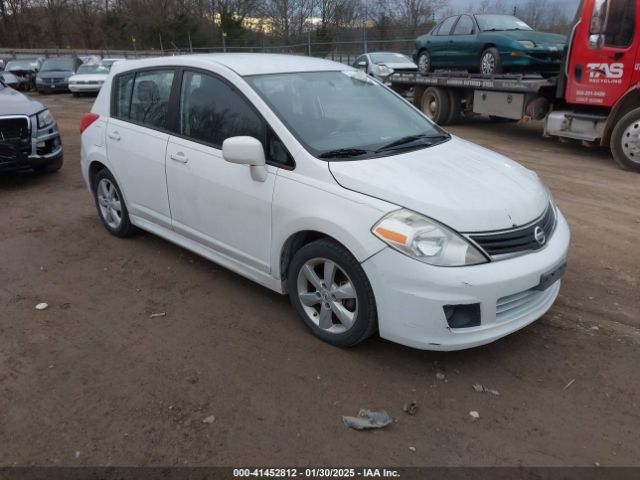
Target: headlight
(426, 240)
(383, 70)
(45, 119)
(527, 43)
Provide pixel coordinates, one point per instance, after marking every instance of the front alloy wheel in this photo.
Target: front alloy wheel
(625, 141)
(490, 62)
(331, 293)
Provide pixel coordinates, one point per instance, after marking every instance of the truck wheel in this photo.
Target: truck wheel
(424, 62)
(455, 99)
(436, 105)
(625, 141)
(490, 62)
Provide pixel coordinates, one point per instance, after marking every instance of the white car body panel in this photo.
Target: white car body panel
(217, 210)
(77, 83)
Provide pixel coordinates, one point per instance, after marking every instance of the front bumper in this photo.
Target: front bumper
(52, 87)
(410, 295)
(541, 60)
(85, 87)
(44, 148)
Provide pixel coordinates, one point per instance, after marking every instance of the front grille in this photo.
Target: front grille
(14, 129)
(520, 239)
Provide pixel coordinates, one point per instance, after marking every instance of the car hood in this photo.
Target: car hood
(539, 38)
(400, 65)
(14, 103)
(462, 185)
(89, 76)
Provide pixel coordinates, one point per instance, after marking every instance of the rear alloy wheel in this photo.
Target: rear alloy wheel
(110, 204)
(625, 141)
(332, 294)
(424, 62)
(490, 63)
(436, 105)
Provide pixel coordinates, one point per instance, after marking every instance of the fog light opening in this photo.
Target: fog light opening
(462, 316)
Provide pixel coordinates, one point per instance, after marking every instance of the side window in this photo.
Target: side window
(445, 27)
(122, 93)
(464, 26)
(211, 111)
(150, 99)
(361, 58)
(615, 21)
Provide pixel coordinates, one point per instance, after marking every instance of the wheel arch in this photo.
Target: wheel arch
(628, 102)
(94, 167)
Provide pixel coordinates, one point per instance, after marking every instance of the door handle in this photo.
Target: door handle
(616, 55)
(179, 157)
(114, 136)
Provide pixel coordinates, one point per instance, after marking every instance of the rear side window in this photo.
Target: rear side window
(445, 27)
(150, 98)
(123, 89)
(211, 111)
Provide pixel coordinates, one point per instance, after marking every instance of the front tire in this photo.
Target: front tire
(331, 293)
(111, 206)
(625, 141)
(490, 62)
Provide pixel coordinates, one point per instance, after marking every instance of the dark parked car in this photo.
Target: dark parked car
(55, 72)
(489, 44)
(25, 69)
(10, 80)
(29, 136)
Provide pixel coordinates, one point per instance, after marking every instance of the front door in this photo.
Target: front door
(603, 52)
(213, 202)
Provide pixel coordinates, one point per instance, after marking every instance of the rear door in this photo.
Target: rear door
(603, 51)
(213, 202)
(137, 136)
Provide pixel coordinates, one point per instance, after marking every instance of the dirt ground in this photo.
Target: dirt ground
(93, 380)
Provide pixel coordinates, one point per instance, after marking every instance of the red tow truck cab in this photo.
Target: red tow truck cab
(602, 76)
(594, 99)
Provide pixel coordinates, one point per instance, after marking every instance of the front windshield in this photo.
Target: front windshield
(19, 65)
(344, 111)
(389, 58)
(93, 69)
(57, 64)
(500, 23)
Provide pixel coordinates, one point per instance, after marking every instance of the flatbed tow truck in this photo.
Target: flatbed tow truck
(595, 99)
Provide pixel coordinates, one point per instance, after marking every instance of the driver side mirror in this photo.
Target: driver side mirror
(596, 42)
(246, 151)
(361, 64)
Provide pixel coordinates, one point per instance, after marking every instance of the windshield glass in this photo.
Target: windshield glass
(57, 64)
(93, 69)
(500, 23)
(389, 58)
(20, 65)
(342, 111)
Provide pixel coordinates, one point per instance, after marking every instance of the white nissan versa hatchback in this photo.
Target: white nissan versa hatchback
(315, 180)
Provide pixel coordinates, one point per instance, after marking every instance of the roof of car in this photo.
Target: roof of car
(241, 63)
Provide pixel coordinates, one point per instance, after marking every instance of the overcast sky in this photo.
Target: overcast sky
(570, 5)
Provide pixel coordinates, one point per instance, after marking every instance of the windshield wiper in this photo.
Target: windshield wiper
(404, 142)
(343, 153)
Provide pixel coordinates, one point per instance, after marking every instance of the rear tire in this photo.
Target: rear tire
(436, 105)
(455, 101)
(625, 141)
(490, 63)
(112, 209)
(424, 62)
(331, 293)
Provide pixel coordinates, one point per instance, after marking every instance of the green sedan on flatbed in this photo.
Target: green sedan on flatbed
(488, 44)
